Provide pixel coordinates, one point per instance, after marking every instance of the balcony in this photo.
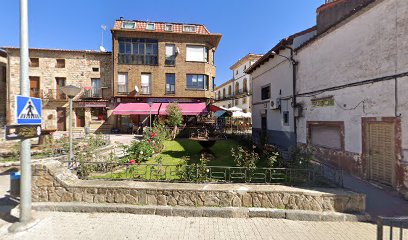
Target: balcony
(145, 90)
(54, 95)
(92, 93)
(138, 59)
(242, 91)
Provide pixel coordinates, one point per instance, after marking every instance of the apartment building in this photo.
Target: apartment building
(51, 69)
(3, 87)
(238, 90)
(155, 63)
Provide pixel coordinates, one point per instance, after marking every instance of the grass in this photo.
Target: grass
(188, 151)
(179, 151)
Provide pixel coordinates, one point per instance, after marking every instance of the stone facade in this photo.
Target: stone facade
(78, 70)
(3, 88)
(52, 182)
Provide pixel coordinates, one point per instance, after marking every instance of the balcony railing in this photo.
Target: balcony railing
(145, 90)
(54, 94)
(138, 59)
(93, 93)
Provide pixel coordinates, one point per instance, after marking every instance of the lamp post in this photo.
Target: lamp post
(71, 91)
(150, 117)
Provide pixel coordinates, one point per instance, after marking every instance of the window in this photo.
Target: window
(245, 67)
(146, 81)
(197, 54)
(245, 85)
(213, 57)
(213, 84)
(168, 27)
(244, 100)
(35, 87)
(96, 88)
(219, 95)
(170, 55)
(95, 69)
(237, 88)
(150, 26)
(326, 134)
(138, 51)
(123, 83)
(223, 93)
(195, 81)
(286, 118)
(236, 102)
(60, 63)
(236, 72)
(189, 28)
(128, 25)
(229, 91)
(98, 114)
(34, 62)
(170, 83)
(266, 93)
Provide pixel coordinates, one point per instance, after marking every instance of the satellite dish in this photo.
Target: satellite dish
(102, 49)
(136, 89)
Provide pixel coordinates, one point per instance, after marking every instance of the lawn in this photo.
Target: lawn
(188, 151)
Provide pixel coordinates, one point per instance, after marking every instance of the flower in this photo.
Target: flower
(132, 161)
(141, 152)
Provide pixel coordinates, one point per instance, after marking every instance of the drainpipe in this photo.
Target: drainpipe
(294, 102)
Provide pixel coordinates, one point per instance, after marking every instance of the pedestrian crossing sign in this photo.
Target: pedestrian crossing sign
(28, 110)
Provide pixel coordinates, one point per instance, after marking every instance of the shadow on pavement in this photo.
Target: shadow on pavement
(7, 203)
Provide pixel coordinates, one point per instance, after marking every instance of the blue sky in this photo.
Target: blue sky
(247, 26)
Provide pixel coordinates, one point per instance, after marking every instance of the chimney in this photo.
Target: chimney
(334, 11)
(121, 18)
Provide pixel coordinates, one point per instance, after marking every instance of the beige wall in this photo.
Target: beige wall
(181, 69)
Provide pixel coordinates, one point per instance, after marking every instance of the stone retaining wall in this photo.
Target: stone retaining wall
(53, 183)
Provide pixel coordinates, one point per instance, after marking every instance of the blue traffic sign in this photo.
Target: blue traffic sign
(28, 110)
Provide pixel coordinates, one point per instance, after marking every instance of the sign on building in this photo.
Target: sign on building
(28, 110)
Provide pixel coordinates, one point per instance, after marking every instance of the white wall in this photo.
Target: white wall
(277, 73)
(372, 44)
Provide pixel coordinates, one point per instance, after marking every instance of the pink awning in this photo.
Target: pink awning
(188, 109)
(136, 109)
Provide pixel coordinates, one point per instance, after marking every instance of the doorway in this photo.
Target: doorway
(61, 119)
(80, 117)
(35, 87)
(381, 151)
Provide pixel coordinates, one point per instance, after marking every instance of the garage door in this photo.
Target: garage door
(381, 150)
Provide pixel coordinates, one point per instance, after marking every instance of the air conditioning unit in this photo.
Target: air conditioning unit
(275, 104)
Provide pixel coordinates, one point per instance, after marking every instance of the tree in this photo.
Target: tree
(174, 117)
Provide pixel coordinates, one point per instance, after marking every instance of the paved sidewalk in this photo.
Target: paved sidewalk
(64, 226)
(380, 201)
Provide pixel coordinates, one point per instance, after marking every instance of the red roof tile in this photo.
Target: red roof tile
(160, 27)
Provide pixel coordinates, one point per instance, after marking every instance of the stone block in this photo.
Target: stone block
(187, 212)
(161, 200)
(89, 198)
(131, 199)
(163, 211)
(67, 197)
(77, 197)
(99, 198)
(151, 199)
(246, 200)
(120, 198)
(299, 215)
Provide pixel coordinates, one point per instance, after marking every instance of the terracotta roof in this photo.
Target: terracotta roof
(335, 25)
(248, 57)
(58, 50)
(160, 27)
(281, 45)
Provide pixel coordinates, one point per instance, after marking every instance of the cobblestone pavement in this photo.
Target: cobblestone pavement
(61, 226)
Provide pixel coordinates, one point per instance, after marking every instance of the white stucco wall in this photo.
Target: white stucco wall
(277, 73)
(371, 44)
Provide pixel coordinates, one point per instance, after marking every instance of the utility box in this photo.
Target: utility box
(15, 184)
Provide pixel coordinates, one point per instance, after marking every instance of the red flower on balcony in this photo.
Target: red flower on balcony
(132, 162)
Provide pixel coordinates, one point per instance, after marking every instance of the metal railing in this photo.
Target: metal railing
(396, 227)
(54, 94)
(93, 93)
(198, 174)
(145, 89)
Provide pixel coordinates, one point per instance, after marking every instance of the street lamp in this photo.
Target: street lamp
(71, 91)
(150, 118)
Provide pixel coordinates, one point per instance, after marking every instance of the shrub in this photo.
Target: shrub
(300, 157)
(244, 158)
(174, 117)
(140, 151)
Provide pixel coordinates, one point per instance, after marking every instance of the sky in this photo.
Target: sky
(247, 26)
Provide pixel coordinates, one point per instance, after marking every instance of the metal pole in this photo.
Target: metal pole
(150, 118)
(71, 154)
(25, 148)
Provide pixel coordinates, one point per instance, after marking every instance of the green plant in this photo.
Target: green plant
(300, 157)
(197, 172)
(140, 151)
(271, 158)
(174, 117)
(245, 158)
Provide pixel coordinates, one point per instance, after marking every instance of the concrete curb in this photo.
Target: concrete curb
(222, 212)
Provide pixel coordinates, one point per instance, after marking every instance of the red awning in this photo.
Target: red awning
(136, 109)
(188, 109)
